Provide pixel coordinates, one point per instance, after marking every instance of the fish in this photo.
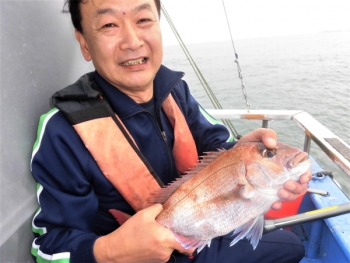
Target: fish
(228, 191)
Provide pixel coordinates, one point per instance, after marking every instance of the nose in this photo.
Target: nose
(130, 38)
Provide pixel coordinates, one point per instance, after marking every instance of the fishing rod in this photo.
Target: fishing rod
(271, 225)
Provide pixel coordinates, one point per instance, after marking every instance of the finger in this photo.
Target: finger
(291, 191)
(188, 252)
(277, 205)
(306, 177)
(295, 187)
(267, 136)
(153, 210)
(285, 195)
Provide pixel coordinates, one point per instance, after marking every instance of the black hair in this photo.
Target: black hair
(74, 10)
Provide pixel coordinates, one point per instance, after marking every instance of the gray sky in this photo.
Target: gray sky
(204, 20)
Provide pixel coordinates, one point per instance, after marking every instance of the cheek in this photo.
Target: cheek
(109, 44)
(263, 174)
(154, 40)
(103, 45)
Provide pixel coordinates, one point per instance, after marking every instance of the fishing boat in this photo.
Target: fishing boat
(34, 62)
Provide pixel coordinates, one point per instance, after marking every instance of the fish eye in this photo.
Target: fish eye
(269, 153)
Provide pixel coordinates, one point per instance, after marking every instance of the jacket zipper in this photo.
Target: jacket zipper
(164, 136)
(169, 155)
(165, 140)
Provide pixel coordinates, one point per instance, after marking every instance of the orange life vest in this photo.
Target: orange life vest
(120, 160)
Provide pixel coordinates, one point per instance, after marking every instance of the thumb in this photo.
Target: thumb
(267, 136)
(153, 210)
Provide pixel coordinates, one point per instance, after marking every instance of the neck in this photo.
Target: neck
(140, 96)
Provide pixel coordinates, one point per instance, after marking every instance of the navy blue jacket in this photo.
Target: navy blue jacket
(73, 194)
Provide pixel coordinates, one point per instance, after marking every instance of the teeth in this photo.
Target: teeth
(133, 62)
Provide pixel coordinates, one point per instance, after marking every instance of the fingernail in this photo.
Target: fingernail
(271, 143)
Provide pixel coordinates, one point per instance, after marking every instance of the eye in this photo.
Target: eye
(109, 25)
(269, 153)
(143, 20)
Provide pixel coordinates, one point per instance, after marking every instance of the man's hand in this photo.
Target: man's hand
(291, 189)
(267, 136)
(139, 239)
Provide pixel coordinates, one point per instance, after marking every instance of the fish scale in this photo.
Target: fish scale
(200, 185)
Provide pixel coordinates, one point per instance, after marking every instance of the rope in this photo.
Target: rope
(229, 29)
(201, 78)
(244, 91)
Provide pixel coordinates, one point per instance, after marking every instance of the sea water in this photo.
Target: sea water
(302, 72)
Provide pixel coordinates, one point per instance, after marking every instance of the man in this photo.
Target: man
(75, 191)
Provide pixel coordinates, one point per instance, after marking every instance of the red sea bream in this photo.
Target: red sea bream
(228, 191)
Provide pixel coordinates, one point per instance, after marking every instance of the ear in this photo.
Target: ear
(83, 45)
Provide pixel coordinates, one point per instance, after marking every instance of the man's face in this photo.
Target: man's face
(123, 39)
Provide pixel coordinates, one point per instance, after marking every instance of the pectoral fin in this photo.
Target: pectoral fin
(252, 230)
(246, 191)
(187, 242)
(120, 216)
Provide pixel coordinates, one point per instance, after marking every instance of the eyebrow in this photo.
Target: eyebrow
(143, 6)
(103, 11)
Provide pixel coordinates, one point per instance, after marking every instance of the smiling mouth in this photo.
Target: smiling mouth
(134, 62)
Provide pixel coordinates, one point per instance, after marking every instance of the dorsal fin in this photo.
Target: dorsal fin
(161, 195)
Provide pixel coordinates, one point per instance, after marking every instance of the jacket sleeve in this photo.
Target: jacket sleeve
(63, 224)
(209, 133)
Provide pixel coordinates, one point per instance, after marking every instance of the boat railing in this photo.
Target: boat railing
(334, 147)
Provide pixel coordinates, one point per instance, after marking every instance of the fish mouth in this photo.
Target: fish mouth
(298, 165)
(134, 62)
(298, 159)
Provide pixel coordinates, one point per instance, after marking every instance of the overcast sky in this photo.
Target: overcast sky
(204, 20)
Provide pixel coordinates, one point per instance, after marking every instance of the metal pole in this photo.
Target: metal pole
(307, 143)
(271, 225)
(265, 123)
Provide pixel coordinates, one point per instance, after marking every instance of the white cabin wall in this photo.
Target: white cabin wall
(39, 55)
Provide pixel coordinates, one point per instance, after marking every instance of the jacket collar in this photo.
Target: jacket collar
(165, 80)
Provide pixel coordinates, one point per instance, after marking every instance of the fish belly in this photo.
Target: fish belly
(216, 217)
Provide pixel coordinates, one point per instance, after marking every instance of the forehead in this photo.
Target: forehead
(101, 7)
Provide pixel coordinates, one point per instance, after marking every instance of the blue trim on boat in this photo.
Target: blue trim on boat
(328, 240)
